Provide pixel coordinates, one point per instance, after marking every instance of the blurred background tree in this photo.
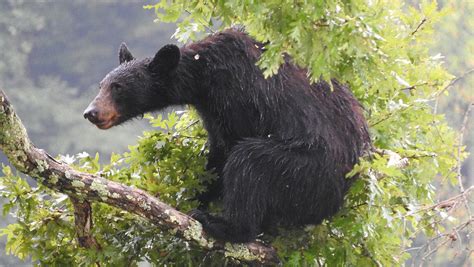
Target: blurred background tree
(53, 54)
(455, 42)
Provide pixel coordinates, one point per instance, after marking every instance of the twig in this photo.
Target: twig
(461, 140)
(449, 237)
(448, 203)
(413, 87)
(455, 80)
(452, 83)
(419, 26)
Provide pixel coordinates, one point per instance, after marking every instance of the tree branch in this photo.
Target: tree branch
(83, 221)
(419, 26)
(84, 188)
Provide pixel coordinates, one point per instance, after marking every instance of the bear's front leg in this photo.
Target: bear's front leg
(215, 163)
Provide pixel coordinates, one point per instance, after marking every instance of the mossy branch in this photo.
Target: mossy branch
(85, 188)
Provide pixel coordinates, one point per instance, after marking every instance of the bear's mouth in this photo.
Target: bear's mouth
(104, 125)
(108, 123)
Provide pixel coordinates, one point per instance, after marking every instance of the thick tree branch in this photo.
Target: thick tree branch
(22, 154)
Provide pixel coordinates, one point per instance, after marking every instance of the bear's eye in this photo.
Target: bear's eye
(116, 87)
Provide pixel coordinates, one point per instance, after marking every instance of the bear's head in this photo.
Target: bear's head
(134, 87)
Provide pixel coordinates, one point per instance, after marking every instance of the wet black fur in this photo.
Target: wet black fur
(280, 146)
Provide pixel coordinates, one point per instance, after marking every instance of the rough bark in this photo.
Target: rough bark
(84, 188)
(83, 221)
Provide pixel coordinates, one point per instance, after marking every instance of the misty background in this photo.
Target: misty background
(53, 56)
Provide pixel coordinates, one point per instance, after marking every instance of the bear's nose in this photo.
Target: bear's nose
(91, 114)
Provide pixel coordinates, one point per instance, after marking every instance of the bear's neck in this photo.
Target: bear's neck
(189, 82)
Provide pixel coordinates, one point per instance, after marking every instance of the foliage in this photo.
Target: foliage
(454, 40)
(169, 164)
(380, 48)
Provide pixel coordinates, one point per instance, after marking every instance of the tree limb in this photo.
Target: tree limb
(84, 188)
(83, 221)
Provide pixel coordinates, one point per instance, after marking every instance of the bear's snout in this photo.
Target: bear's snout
(91, 114)
(103, 116)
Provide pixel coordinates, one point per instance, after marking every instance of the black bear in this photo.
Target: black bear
(280, 146)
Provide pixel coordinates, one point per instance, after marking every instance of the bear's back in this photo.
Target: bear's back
(286, 106)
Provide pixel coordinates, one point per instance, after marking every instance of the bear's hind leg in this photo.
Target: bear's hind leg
(245, 196)
(269, 182)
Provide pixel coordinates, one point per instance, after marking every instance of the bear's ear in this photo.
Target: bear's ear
(166, 59)
(124, 54)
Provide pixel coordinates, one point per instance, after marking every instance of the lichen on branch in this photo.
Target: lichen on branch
(58, 176)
